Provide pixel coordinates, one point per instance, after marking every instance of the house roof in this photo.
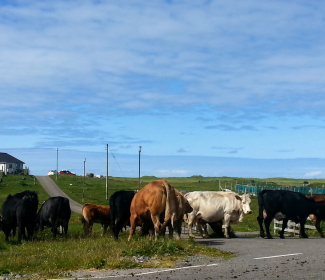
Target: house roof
(6, 158)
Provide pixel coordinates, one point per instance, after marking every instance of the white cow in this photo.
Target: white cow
(213, 207)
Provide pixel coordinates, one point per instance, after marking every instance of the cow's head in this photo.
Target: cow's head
(246, 200)
(187, 207)
(317, 208)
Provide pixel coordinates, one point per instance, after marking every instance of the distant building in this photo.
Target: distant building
(10, 164)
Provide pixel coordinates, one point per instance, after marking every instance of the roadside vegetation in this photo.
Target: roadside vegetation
(46, 257)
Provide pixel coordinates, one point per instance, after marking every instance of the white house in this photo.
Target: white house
(10, 164)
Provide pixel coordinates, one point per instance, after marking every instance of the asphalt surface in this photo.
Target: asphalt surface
(53, 190)
(256, 258)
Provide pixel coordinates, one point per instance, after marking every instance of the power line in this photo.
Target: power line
(116, 161)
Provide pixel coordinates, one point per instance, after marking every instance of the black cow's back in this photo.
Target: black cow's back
(120, 203)
(19, 210)
(292, 205)
(54, 212)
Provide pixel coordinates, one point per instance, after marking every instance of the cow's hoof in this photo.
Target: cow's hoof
(281, 236)
(269, 237)
(303, 236)
(227, 236)
(322, 236)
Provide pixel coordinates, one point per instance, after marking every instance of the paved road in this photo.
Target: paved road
(257, 258)
(53, 190)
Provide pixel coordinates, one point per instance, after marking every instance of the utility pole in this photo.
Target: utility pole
(57, 163)
(106, 171)
(83, 188)
(139, 164)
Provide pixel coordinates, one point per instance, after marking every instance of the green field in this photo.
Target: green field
(46, 257)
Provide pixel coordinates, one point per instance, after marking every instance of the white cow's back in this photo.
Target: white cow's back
(211, 206)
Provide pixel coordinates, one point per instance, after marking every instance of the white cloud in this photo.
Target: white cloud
(172, 172)
(313, 174)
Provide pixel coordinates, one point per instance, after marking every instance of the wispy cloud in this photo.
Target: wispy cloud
(285, 151)
(228, 150)
(181, 150)
(230, 128)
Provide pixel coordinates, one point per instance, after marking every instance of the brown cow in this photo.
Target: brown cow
(154, 206)
(183, 207)
(92, 214)
(318, 219)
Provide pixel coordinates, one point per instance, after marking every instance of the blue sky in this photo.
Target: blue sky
(195, 83)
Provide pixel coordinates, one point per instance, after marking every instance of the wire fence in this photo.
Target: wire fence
(255, 189)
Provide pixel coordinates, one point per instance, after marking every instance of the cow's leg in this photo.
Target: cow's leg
(205, 229)
(260, 223)
(54, 230)
(267, 222)
(105, 226)
(13, 231)
(117, 227)
(191, 218)
(7, 232)
(20, 231)
(87, 228)
(227, 218)
(202, 224)
(178, 229)
(217, 228)
(284, 225)
(133, 221)
(157, 225)
(65, 229)
(170, 230)
(317, 225)
(302, 227)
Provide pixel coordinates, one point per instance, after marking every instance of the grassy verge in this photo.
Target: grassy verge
(47, 258)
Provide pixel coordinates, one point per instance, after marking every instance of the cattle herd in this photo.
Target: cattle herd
(158, 207)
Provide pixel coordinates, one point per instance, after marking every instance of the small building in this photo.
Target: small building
(10, 164)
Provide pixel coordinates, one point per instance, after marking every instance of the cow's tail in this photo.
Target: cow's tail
(260, 201)
(83, 220)
(113, 211)
(170, 209)
(58, 214)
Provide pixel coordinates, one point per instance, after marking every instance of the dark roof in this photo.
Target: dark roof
(4, 157)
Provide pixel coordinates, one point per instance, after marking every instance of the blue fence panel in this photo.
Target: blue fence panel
(255, 189)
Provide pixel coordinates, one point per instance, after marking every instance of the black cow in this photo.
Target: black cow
(294, 206)
(19, 210)
(120, 203)
(53, 213)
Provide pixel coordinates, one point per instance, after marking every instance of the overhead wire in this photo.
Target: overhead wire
(116, 161)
